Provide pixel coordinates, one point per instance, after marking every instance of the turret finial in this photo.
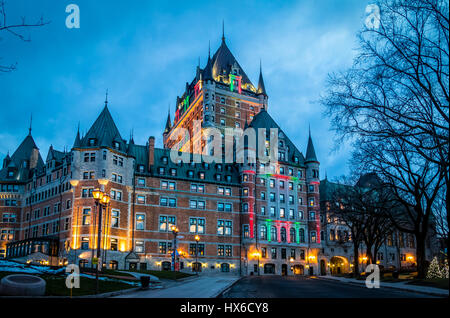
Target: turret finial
(31, 122)
(106, 98)
(223, 30)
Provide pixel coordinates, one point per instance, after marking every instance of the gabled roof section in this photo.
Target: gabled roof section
(264, 120)
(103, 133)
(57, 155)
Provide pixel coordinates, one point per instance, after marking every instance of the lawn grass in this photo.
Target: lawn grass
(56, 286)
(431, 282)
(165, 274)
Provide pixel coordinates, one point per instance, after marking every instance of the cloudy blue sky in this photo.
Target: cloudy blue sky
(143, 52)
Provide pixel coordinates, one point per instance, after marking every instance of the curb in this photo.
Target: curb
(224, 289)
(390, 287)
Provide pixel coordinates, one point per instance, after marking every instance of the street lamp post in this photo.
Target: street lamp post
(174, 252)
(101, 199)
(197, 238)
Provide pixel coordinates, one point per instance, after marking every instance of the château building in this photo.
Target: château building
(250, 217)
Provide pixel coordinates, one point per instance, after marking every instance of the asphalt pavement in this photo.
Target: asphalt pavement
(308, 287)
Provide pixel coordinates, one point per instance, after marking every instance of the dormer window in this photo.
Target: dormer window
(164, 160)
(190, 174)
(10, 174)
(141, 168)
(219, 167)
(91, 141)
(116, 145)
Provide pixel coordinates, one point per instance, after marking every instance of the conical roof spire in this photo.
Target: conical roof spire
(77, 141)
(168, 122)
(207, 72)
(310, 152)
(261, 87)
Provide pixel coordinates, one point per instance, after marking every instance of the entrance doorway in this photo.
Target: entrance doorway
(299, 270)
(197, 267)
(166, 266)
(269, 268)
(323, 268)
(311, 270)
(339, 265)
(284, 270)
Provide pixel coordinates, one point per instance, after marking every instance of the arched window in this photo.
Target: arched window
(263, 232)
(273, 233)
(301, 234)
(292, 235)
(283, 234)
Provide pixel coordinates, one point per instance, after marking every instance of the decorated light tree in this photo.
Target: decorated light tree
(444, 270)
(433, 270)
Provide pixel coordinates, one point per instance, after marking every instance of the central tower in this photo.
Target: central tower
(221, 95)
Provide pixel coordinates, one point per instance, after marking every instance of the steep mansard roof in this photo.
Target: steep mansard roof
(264, 120)
(24, 153)
(224, 60)
(104, 132)
(140, 153)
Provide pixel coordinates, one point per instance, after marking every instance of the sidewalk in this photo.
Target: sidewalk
(198, 287)
(401, 286)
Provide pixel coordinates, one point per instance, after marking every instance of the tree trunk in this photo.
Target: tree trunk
(369, 254)
(420, 253)
(355, 259)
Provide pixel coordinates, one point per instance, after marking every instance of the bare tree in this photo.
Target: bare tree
(16, 29)
(396, 95)
(345, 207)
(411, 180)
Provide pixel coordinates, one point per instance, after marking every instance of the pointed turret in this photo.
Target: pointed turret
(23, 161)
(6, 161)
(131, 142)
(77, 141)
(310, 152)
(261, 87)
(207, 72)
(168, 123)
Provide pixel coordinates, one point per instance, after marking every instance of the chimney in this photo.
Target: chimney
(34, 158)
(151, 151)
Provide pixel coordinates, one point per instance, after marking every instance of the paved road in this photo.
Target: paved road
(305, 287)
(201, 287)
